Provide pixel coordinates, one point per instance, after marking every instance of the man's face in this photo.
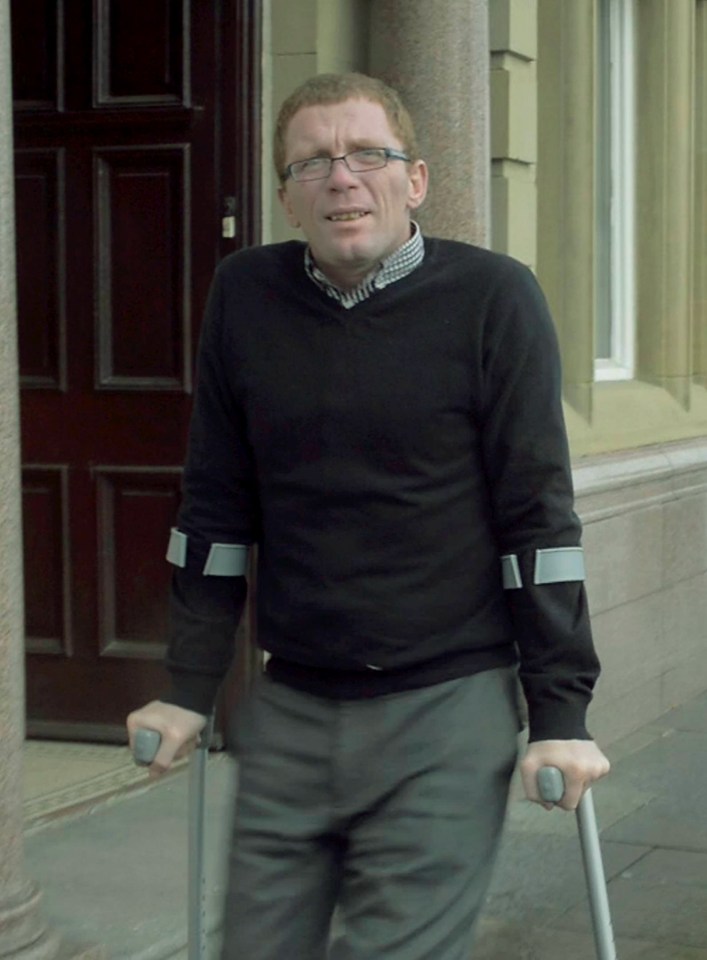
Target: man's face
(375, 205)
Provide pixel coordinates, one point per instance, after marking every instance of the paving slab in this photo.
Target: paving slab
(689, 716)
(501, 940)
(538, 879)
(676, 813)
(665, 822)
(614, 800)
(118, 876)
(637, 740)
(662, 898)
(667, 766)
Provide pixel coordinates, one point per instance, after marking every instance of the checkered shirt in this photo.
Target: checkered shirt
(398, 265)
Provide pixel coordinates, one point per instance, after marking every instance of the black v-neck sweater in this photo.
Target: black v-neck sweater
(383, 458)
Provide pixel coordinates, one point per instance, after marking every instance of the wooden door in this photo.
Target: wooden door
(134, 131)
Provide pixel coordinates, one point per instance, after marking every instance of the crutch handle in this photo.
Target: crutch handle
(551, 784)
(146, 745)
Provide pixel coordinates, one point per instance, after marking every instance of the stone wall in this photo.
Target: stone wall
(645, 536)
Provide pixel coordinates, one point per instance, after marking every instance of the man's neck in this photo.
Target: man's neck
(348, 276)
(346, 280)
(391, 269)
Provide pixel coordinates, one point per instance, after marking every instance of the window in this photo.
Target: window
(615, 254)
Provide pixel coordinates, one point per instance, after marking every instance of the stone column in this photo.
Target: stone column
(567, 138)
(665, 193)
(22, 932)
(436, 54)
(700, 257)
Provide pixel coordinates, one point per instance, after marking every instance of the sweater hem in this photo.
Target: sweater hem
(360, 684)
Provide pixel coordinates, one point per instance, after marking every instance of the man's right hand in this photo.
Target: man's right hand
(178, 728)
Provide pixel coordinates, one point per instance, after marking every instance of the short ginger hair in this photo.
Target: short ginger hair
(330, 88)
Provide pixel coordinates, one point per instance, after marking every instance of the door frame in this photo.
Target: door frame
(239, 159)
(245, 84)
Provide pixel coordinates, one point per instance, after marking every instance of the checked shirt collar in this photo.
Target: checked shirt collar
(398, 265)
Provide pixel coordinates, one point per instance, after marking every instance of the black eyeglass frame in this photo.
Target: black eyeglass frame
(388, 153)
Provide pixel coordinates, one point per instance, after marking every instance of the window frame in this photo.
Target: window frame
(616, 190)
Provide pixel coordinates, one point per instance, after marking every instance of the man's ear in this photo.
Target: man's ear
(419, 180)
(284, 198)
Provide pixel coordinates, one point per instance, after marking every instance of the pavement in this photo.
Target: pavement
(115, 873)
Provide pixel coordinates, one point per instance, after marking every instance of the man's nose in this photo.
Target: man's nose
(340, 175)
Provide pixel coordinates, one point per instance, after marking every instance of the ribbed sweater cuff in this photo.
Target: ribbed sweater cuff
(192, 691)
(558, 721)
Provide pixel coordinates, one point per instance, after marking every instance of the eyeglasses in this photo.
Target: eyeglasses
(358, 161)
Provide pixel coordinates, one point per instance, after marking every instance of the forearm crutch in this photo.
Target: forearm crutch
(551, 786)
(147, 743)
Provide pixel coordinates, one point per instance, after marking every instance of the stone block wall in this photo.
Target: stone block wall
(645, 537)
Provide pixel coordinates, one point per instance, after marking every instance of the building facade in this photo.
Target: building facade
(571, 134)
(598, 172)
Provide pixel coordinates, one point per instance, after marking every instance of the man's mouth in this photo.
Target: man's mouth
(353, 215)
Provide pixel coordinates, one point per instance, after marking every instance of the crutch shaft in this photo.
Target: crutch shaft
(147, 743)
(596, 879)
(551, 786)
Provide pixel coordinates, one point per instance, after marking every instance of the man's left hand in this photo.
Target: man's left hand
(581, 763)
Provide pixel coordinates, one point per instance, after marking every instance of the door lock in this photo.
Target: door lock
(228, 220)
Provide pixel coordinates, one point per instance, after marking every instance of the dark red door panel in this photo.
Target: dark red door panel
(133, 120)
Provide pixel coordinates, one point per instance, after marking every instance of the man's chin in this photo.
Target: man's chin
(347, 252)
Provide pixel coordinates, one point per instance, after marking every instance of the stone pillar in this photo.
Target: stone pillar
(700, 258)
(22, 932)
(665, 193)
(436, 54)
(566, 185)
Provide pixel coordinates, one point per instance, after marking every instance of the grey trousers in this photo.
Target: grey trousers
(385, 813)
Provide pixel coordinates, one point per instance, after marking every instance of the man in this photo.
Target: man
(381, 414)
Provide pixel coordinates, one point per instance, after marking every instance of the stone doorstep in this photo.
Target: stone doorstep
(127, 862)
(91, 776)
(50, 946)
(72, 951)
